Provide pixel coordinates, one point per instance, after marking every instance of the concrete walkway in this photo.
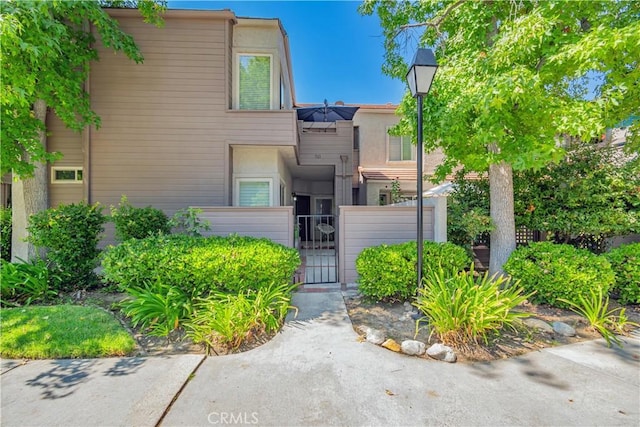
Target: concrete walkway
(317, 373)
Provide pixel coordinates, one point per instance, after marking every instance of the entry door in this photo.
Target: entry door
(303, 207)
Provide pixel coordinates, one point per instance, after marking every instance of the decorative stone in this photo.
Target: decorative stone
(391, 345)
(413, 347)
(442, 352)
(563, 329)
(407, 306)
(538, 324)
(374, 336)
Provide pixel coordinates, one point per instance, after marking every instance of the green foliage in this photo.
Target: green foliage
(158, 307)
(25, 283)
(462, 308)
(231, 320)
(138, 223)
(558, 273)
(625, 261)
(71, 234)
(62, 331)
(591, 194)
(188, 222)
(468, 211)
(5, 234)
(46, 50)
(513, 76)
(388, 272)
(595, 307)
(200, 265)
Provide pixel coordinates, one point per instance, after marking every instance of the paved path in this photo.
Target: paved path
(317, 373)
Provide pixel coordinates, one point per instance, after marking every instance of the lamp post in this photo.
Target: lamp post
(420, 76)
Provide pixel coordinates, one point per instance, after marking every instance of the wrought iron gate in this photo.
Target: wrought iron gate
(317, 243)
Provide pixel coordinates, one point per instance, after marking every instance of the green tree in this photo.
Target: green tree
(513, 77)
(592, 194)
(47, 48)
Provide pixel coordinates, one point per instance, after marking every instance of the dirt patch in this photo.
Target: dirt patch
(393, 319)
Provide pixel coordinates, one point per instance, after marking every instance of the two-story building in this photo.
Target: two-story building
(210, 120)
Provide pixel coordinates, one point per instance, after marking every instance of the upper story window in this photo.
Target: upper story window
(401, 148)
(254, 81)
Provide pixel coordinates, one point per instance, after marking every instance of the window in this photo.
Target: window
(254, 79)
(66, 175)
(254, 192)
(401, 148)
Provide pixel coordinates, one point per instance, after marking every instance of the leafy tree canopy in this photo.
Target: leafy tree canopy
(514, 75)
(47, 48)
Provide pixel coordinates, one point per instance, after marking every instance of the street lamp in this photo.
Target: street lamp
(420, 76)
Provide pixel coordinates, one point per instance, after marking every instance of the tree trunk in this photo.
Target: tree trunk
(503, 236)
(29, 196)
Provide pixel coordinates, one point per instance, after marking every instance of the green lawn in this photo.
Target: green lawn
(61, 331)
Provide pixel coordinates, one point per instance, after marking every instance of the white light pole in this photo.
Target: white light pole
(420, 76)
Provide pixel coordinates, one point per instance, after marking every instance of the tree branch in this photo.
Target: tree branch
(438, 21)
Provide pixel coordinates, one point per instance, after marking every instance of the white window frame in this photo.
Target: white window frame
(236, 193)
(236, 95)
(76, 169)
(414, 153)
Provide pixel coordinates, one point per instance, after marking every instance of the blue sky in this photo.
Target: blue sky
(336, 53)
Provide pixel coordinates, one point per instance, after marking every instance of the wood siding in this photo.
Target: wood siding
(273, 223)
(69, 143)
(365, 226)
(166, 125)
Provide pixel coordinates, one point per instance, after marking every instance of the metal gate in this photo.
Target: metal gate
(317, 242)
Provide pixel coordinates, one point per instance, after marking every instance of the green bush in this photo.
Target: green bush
(230, 320)
(200, 265)
(388, 272)
(5, 233)
(625, 261)
(160, 308)
(24, 283)
(138, 223)
(71, 234)
(559, 271)
(461, 308)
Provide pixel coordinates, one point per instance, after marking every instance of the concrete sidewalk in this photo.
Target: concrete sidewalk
(315, 372)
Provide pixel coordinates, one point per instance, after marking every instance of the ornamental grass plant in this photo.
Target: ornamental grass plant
(461, 308)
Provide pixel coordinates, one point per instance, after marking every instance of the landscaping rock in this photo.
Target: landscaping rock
(563, 329)
(391, 345)
(413, 347)
(442, 352)
(538, 324)
(407, 306)
(374, 336)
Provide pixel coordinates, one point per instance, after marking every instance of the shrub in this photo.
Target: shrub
(558, 273)
(187, 221)
(388, 272)
(462, 308)
(160, 308)
(5, 233)
(230, 320)
(200, 265)
(138, 223)
(625, 261)
(71, 234)
(24, 283)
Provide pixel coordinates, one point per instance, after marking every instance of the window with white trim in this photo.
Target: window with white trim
(401, 148)
(254, 192)
(66, 175)
(254, 81)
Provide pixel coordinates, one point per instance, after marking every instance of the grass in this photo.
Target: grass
(61, 331)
